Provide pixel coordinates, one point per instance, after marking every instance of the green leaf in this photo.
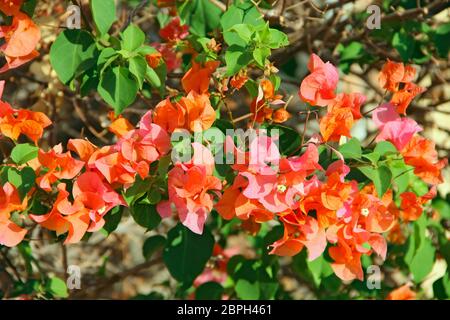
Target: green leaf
(278, 39)
(260, 55)
(138, 67)
(201, 15)
(236, 58)
(423, 261)
(246, 290)
(28, 7)
(441, 288)
(118, 88)
(187, 253)
(351, 149)
(440, 40)
(152, 77)
(420, 252)
(372, 157)
(22, 153)
(23, 179)
(71, 53)
(145, 215)
(381, 177)
(319, 269)
(385, 147)
(401, 174)
(353, 51)
(404, 43)
(244, 31)
(57, 287)
(209, 291)
(132, 38)
(443, 207)
(112, 220)
(231, 17)
(152, 245)
(104, 14)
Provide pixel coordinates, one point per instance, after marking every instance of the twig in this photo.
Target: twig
(10, 264)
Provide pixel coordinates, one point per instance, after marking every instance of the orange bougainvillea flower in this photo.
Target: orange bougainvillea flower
(10, 233)
(92, 200)
(422, 155)
(21, 38)
(260, 106)
(174, 31)
(113, 166)
(10, 7)
(403, 97)
(234, 204)
(281, 115)
(200, 113)
(238, 80)
(412, 205)
(169, 116)
(394, 73)
(193, 112)
(335, 124)
(402, 293)
(83, 148)
(59, 165)
(342, 113)
(154, 59)
(14, 122)
(197, 78)
(120, 126)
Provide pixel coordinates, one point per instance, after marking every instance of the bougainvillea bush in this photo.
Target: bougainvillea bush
(240, 189)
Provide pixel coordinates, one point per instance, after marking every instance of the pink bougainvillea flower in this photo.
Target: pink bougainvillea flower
(191, 187)
(145, 145)
(290, 181)
(10, 233)
(174, 31)
(60, 166)
(318, 88)
(399, 131)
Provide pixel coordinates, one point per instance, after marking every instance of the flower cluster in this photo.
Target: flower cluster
(320, 205)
